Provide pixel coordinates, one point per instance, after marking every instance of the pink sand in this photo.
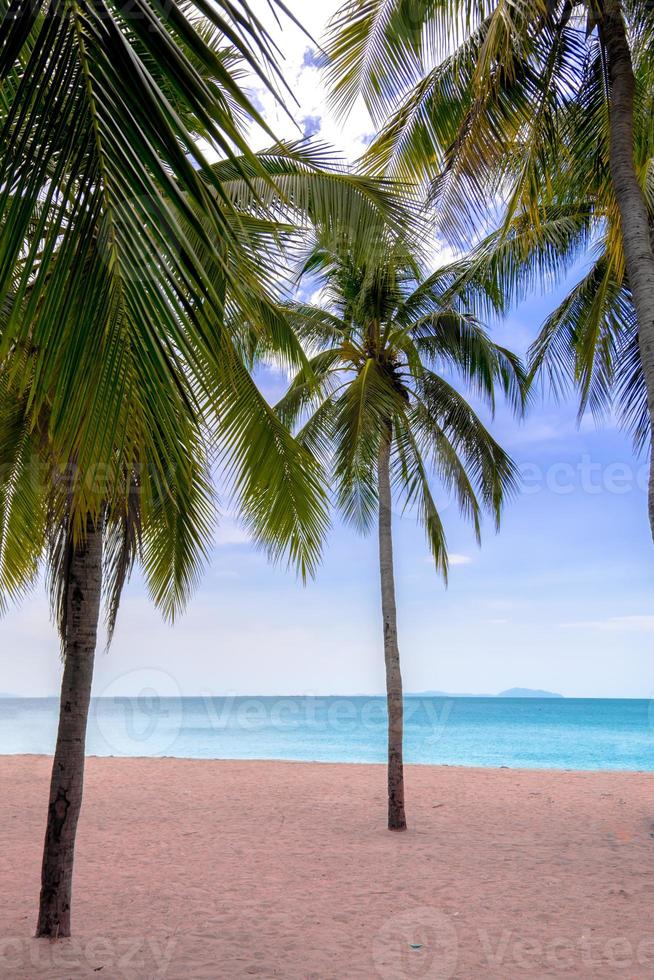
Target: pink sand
(201, 869)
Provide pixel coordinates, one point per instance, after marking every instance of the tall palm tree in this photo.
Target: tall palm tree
(374, 409)
(122, 260)
(160, 512)
(488, 101)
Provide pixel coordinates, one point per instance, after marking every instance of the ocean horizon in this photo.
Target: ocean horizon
(525, 732)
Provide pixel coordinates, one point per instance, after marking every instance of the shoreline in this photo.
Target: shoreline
(214, 868)
(329, 762)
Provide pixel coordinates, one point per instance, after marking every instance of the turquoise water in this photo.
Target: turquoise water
(517, 732)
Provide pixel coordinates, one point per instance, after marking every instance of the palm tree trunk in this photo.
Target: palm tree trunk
(82, 606)
(639, 254)
(396, 815)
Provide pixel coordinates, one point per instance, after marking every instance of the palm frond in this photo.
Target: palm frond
(363, 410)
(278, 486)
(23, 482)
(579, 341)
(410, 481)
(452, 423)
(178, 521)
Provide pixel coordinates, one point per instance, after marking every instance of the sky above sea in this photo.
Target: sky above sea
(560, 600)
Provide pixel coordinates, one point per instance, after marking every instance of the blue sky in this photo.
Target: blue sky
(560, 599)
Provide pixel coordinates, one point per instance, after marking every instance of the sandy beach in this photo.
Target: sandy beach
(203, 869)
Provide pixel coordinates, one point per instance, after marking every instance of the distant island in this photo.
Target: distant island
(527, 692)
(512, 692)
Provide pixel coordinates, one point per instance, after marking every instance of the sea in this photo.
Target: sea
(558, 733)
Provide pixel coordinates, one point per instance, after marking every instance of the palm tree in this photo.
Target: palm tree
(372, 407)
(489, 101)
(160, 512)
(129, 271)
(151, 502)
(122, 262)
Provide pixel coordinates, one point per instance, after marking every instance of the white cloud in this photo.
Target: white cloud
(454, 559)
(319, 297)
(229, 532)
(305, 80)
(616, 624)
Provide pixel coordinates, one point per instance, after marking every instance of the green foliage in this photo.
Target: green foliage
(140, 278)
(377, 348)
(505, 119)
(125, 263)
